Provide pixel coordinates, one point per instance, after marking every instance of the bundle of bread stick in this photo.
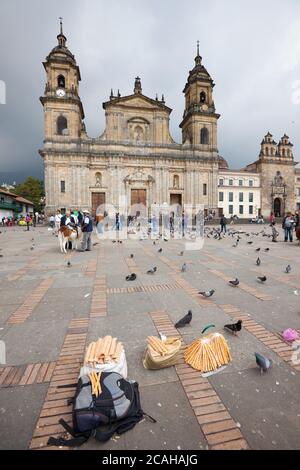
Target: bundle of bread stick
(95, 383)
(208, 353)
(157, 346)
(103, 351)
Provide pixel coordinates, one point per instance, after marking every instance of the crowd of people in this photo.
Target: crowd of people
(20, 219)
(290, 223)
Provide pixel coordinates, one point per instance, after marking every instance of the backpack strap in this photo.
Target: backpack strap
(78, 439)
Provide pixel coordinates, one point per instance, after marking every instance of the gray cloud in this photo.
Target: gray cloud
(252, 51)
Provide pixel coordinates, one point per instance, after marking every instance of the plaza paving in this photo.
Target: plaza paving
(49, 312)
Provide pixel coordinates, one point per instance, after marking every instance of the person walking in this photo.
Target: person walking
(87, 230)
(272, 218)
(288, 225)
(223, 223)
(27, 220)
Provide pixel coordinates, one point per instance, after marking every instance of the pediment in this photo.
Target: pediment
(137, 101)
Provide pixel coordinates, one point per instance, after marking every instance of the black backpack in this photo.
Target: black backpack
(116, 410)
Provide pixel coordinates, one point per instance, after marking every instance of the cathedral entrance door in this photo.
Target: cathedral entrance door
(175, 199)
(277, 207)
(97, 200)
(138, 197)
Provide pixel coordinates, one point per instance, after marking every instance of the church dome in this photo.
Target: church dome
(223, 163)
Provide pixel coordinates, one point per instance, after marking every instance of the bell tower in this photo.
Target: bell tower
(63, 109)
(199, 124)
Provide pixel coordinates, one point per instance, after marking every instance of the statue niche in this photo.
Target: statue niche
(278, 179)
(138, 129)
(98, 178)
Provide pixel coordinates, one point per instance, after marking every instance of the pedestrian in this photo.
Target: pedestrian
(100, 223)
(57, 220)
(297, 219)
(272, 218)
(223, 223)
(231, 220)
(52, 221)
(87, 230)
(27, 220)
(288, 225)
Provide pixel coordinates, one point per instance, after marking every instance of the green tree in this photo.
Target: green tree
(33, 190)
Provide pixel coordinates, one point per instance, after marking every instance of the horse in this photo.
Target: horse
(67, 234)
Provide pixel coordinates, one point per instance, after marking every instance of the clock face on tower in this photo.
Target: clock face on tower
(60, 92)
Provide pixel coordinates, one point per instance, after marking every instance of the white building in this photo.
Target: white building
(12, 205)
(239, 193)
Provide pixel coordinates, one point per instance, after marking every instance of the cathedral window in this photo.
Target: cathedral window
(267, 150)
(272, 151)
(288, 152)
(204, 136)
(202, 97)
(204, 189)
(283, 152)
(62, 186)
(175, 181)
(61, 82)
(62, 126)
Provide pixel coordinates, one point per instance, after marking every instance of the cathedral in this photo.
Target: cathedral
(136, 161)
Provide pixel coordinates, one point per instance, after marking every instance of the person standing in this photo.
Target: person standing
(288, 225)
(223, 223)
(58, 217)
(87, 230)
(297, 219)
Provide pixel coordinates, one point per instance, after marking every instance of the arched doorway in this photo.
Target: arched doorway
(277, 207)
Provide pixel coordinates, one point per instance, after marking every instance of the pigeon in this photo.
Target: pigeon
(234, 283)
(154, 243)
(263, 362)
(267, 249)
(288, 269)
(234, 327)
(160, 250)
(186, 320)
(131, 277)
(207, 294)
(131, 256)
(183, 268)
(262, 278)
(257, 249)
(69, 264)
(114, 241)
(96, 243)
(166, 240)
(152, 270)
(32, 248)
(258, 262)
(181, 253)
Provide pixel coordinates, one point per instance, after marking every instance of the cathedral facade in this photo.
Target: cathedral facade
(136, 160)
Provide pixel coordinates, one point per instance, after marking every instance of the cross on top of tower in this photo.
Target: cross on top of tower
(61, 37)
(61, 25)
(198, 58)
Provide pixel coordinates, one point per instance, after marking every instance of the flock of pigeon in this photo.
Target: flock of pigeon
(262, 362)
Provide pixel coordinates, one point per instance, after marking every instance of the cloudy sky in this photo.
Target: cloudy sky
(251, 49)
